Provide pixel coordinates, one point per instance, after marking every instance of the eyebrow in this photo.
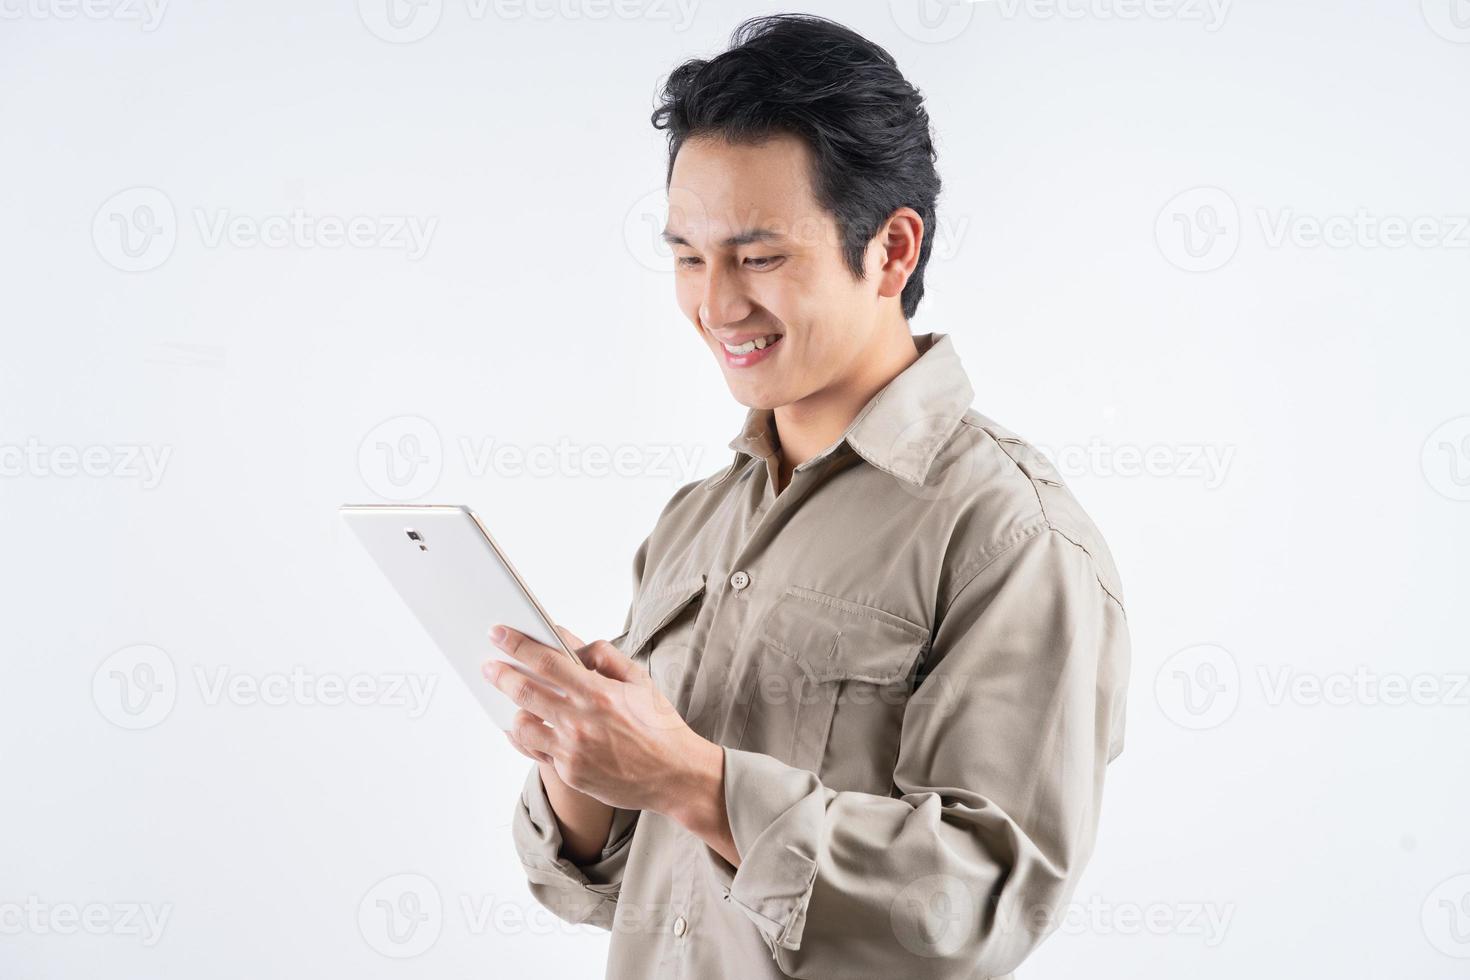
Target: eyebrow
(748, 237)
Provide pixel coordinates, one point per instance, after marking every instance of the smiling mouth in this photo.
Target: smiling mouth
(758, 343)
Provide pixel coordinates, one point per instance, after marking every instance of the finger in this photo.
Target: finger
(533, 734)
(533, 756)
(609, 661)
(585, 654)
(545, 662)
(572, 640)
(525, 692)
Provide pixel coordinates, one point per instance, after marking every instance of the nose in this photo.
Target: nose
(724, 298)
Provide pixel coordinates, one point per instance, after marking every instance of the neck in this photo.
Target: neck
(808, 426)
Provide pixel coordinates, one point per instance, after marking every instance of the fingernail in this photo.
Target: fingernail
(498, 634)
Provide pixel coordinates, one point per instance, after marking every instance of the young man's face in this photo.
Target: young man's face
(756, 259)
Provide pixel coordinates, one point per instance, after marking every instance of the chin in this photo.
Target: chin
(752, 396)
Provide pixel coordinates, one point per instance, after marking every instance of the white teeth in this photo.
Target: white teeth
(759, 343)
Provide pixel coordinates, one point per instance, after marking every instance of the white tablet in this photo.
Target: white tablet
(459, 584)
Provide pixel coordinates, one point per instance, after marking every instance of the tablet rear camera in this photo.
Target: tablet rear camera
(417, 539)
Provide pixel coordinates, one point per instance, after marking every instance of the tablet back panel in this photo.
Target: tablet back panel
(446, 567)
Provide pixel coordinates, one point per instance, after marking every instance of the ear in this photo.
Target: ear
(899, 242)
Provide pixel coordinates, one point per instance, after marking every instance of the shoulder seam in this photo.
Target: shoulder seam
(1046, 522)
(1092, 562)
(990, 557)
(1021, 537)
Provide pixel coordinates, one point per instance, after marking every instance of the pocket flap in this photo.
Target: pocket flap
(835, 639)
(657, 609)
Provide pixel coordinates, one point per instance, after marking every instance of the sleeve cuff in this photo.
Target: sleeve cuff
(776, 815)
(574, 892)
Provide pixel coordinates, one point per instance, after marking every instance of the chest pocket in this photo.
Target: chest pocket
(832, 672)
(661, 637)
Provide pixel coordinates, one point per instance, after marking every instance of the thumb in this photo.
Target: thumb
(609, 661)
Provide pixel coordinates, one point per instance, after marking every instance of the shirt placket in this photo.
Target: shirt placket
(689, 926)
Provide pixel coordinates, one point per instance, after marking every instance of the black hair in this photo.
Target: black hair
(811, 77)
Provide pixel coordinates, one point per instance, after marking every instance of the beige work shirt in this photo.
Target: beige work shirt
(915, 658)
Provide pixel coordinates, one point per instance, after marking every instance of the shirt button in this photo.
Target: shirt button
(739, 580)
(680, 926)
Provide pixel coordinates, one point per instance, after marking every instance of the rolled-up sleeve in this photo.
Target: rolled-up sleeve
(577, 893)
(969, 864)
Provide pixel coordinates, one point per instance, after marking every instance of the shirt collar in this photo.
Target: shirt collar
(901, 428)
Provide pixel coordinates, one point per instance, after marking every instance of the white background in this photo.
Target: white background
(1254, 826)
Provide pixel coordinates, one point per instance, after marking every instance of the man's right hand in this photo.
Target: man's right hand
(584, 820)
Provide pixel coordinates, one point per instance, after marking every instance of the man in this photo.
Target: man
(857, 722)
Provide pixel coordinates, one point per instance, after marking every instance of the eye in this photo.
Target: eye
(763, 262)
(688, 261)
